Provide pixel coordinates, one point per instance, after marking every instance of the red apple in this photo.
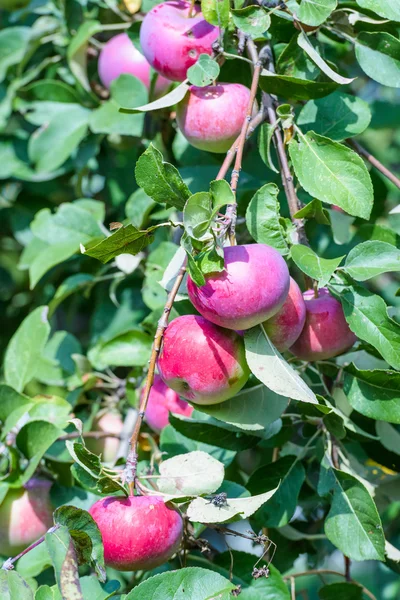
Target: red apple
(284, 328)
(139, 532)
(120, 56)
(211, 117)
(25, 515)
(110, 422)
(251, 289)
(326, 332)
(161, 402)
(202, 362)
(172, 41)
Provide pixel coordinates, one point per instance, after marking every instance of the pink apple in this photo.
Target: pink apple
(139, 532)
(172, 41)
(202, 362)
(284, 328)
(119, 56)
(25, 515)
(161, 402)
(211, 117)
(251, 289)
(326, 332)
(110, 422)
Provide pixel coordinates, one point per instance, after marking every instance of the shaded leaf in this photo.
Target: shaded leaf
(306, 45)
(127, 240)
(190, 474)
(263, 218)
(379, 57)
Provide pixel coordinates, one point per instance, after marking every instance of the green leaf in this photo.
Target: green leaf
(12, 407)
(344, 591)
(306, 45)
(63, 556)
(194, 270)
(25, 348)
(77, 51)
(370, 259)
(312, 12)
(174, 443)
(263, 218)
(130, 349)
(49, 257)
(45, 592)
(293, 62)
(389, 436)
(294, 87)
(13, 586)
(79, 521)
(52, 144)
(127, 240)
(13, 45)
(126, 90)
(197, 215)
(160, 180)
(314, 266)
(70, 224)
(332, 173)
(193, 582)
(252, 20)
(201, 510)
(204, 71)
(389, 9)
(252, 409)
(33, 440)
(221, 194)
(87, 460)
(216, 12)
(210, 261)
(72, 284)
(314, 210)
(379, 57)
(190, 474)
(273, 588)
(366, 314)
(264, 144)
(49, 90)
(173, 97)
(375, 394)
(337, 116)
(353, 524)
(272, 370)
(287, 473)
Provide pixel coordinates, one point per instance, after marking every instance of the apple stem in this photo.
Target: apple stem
(132, 459)
(315, 288)
(374, 161)
(191, 9)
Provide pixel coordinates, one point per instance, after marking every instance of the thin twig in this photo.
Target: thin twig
(374, 161)
(97, 435)
(292, 588)
(131, 462)
(347, 568)
(8, 565)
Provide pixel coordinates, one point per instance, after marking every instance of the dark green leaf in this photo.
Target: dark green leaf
(306, 45)
(33, 440)
(294, 87)
(127, 240)
(263, 218)
(344, 591)
(64, 559)
(314, 210)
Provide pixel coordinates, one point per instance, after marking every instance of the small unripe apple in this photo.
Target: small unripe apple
(119, 56)
(202, 362)
(252, 288)
(162, 400)
(139, 532)
(284, 328)
(25, 515)
(326, 332)
(172, 41)
(110, 422)
(211, 117)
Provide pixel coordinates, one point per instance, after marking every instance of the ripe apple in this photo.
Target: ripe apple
(161, 402)
(326, 332)
(172, 41)
(202, 362)
(139, 532)
(120, 56)
(284, 328)
(251, 289)
(25, 515)
(110, 422)
(211, 117)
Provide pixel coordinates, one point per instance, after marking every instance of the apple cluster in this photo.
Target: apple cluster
(172, 37)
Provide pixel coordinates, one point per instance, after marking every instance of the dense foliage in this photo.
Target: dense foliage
(104, 203)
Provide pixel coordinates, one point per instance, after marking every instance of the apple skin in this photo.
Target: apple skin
(211, 117)
(251, 289)
(119, 56)
(25, 515)
(172, 41)
(110, 422)
(326, 333)
(202, 362)
(139, 532)
(162, 400)
(284, 328)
